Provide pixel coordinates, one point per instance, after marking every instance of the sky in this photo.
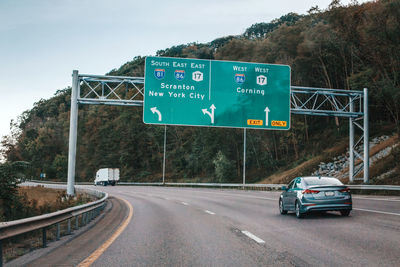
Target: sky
(42, 41)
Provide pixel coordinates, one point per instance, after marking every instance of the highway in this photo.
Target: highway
(212, 227)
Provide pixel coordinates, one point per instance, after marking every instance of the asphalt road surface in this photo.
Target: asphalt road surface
(212, 227)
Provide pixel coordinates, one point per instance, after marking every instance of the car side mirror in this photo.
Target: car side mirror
(284, 188)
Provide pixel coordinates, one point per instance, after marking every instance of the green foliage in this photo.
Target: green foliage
(261, 30)
(60, 167)
(191, 50)
(10, 203)
(223, 168)
(220, 42)
(134, 68)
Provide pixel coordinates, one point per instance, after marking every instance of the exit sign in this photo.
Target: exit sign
(196, 92)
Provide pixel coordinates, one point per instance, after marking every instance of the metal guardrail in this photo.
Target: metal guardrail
(87, 212)
(375, 187)
(214, 185)
(269, 186)
(62, 183)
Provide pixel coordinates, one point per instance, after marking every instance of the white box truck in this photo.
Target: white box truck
(107, 176)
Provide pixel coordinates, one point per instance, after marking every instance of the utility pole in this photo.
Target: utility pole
(244, 157)
(165, 145)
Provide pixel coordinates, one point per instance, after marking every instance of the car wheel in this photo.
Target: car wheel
(298, 213)
(281, 208)
(345, 212)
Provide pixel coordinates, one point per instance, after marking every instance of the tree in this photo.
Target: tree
(261, 30)
(223, 168)
(11, 175)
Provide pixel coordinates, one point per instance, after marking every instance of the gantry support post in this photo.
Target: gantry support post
(351, 143)
(366, 138)
(73, 128)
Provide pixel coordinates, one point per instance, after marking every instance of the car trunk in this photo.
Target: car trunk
(328, 192)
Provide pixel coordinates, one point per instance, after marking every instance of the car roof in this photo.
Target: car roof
(320, 180)
(320, 177)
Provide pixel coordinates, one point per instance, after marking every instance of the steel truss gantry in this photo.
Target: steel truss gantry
(339, 103)
(128, 91)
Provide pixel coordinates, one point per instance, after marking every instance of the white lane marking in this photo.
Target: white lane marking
(377, 211)
(379, 199)
(238, 195)
(166, 198)
(233, 195)
(184, 203)
(209, 212)
(255, 238)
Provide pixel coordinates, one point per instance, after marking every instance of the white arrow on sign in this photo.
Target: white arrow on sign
(155, 110)
(266, 115)
(211, 114)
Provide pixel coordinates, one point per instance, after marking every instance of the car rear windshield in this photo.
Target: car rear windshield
(321, 181)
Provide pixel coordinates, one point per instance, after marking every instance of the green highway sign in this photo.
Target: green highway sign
(196, 92)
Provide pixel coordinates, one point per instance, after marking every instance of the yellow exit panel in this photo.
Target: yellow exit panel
(255, 122)
(278, 123)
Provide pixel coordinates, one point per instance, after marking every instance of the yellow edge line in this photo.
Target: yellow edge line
(98, 252)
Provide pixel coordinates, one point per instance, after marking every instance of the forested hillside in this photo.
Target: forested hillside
(349, 47)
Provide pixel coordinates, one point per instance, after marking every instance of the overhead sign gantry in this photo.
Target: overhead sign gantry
(129, 91)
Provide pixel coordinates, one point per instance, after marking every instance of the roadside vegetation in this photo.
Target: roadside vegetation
(349, 47)
(42, 200)
(17, 202)
(11, 204)
(33, 201)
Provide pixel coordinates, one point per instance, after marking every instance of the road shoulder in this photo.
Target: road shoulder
(73, 249)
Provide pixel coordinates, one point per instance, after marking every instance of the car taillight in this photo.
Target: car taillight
(345, 190)
(309, 191)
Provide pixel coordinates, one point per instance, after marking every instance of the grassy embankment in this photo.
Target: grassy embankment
(389, 164)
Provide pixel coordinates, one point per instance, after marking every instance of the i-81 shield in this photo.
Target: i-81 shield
(159, 73)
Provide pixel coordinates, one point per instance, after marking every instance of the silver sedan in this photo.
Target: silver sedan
(315, 193)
